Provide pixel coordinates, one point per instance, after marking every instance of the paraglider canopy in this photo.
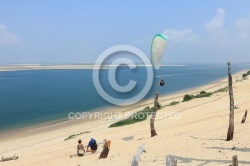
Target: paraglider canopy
(157, 48)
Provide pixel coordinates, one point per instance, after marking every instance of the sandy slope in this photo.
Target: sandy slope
(196, 137)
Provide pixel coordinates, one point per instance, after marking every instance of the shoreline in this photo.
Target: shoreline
(56, 124)
(20, 67)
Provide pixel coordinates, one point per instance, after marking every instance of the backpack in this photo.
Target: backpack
(94, 146)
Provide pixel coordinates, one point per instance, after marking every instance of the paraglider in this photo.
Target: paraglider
(161, 83)
(157, 48)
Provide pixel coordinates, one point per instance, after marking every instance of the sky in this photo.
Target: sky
(69, 32)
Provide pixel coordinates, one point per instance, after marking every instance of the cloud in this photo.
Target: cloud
(216, 43)
(243, 23)
(217, 35)
(216, 22)
(243, 26)
(184, 35)
(6, 38)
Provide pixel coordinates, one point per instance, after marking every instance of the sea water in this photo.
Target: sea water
(32, 97)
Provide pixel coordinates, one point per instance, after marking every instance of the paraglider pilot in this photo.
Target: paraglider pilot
(162, 82)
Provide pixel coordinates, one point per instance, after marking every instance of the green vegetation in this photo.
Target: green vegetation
(158, 106)
(75, 135)
(246, 74)
(187, 97)
(203, 92)
(173, 103)
(136, 117)
(222, 90)
(203, 95)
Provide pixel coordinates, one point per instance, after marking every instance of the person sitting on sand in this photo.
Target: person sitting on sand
(80, 148)
(92, 144)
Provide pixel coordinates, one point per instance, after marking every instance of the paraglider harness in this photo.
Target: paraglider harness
(162, 83)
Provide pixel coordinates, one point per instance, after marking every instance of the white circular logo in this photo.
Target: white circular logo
(112, 72)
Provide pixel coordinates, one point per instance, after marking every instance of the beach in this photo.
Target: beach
(196, 136)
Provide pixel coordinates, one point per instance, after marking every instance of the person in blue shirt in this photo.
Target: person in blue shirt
(92, 144)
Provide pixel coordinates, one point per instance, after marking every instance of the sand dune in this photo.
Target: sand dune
(196, 137)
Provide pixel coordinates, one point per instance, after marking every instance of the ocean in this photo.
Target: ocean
(32, 97)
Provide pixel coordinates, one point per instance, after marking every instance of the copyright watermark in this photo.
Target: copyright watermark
(118, 116)
(112, 73)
